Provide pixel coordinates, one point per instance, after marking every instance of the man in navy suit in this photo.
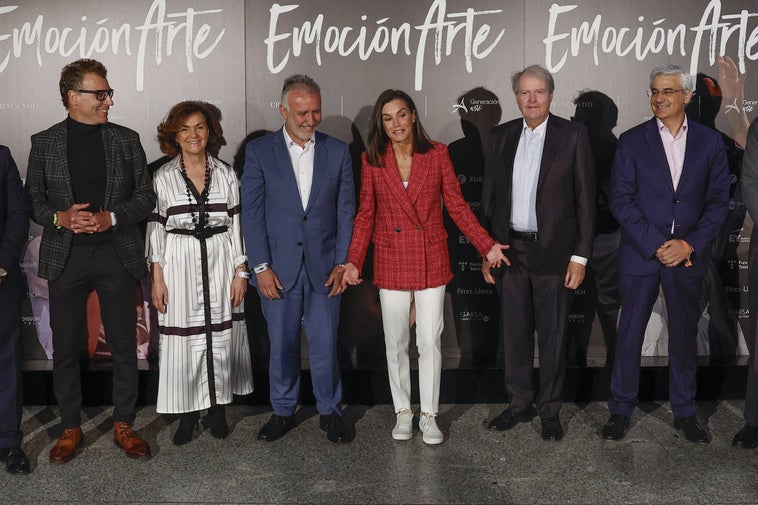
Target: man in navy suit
(14, 229)
(298, 204)
(669, 193)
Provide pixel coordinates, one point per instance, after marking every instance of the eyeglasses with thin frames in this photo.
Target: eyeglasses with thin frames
(664, 92)
(100, 94)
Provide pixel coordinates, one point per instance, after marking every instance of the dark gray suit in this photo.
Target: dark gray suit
(14, 230)
(111, 268)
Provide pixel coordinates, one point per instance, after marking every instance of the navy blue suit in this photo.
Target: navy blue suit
(645, 203)
(302, 247)
(15, 211)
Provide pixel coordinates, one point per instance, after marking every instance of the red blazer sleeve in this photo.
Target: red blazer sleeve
(363, 224)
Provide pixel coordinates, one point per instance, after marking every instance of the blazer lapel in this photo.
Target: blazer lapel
(61, 158)
(653, 138)
(319, 168)
(110, 144)
(550, 148)
(284, 163)
(399, 193)
(419, 173)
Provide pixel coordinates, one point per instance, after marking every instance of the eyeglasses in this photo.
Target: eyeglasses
(664, 92)
(100, 94)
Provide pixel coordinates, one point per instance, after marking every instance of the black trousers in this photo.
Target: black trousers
(94, 268)
(11, 293)
(751, 389)
(529, 303)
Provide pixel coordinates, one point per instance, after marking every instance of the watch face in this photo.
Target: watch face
(3, 272)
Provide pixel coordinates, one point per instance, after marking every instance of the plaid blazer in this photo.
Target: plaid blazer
(406, 226)
(127, 193)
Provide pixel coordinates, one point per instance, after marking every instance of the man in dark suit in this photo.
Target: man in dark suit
(669, 193)
(14, 230)
(90, 190)
(298, 204)
(538, 196)
(747, 437)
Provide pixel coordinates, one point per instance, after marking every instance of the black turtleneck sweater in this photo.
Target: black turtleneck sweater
(86, 166)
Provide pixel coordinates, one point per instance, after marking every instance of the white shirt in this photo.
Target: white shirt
(674, 147)
(526, 172)
(302, 165)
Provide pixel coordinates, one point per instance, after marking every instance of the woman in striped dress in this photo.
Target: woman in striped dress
(199, 273)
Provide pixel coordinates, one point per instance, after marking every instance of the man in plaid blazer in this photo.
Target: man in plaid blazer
(89, 190)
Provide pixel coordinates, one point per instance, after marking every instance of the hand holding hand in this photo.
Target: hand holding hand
(75, 219)
(351, 276)
(488, 278)
(495, 256)
(335, 281)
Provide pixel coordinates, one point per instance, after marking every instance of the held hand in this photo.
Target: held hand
(98, 222)
(495, 256)
(672, 252)
(350, 276)
(160, 296)
(239, 288)
(269, 284)
(488, 278)
(335, 281)
(75, 219)
(574, 275)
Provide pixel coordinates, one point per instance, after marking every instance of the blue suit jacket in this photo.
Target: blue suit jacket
(645, 203)
(276, 228)
(15, 211)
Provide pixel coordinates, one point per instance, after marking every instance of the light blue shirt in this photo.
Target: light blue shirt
(526, 172)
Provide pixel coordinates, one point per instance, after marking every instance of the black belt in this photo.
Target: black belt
(526, 236)
(200, 233)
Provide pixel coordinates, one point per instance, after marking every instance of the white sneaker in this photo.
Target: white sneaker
(403, 429)
(428, 426)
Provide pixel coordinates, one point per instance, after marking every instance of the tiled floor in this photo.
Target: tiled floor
(653, 464)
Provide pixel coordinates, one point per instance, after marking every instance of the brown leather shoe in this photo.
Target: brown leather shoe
(130, 442)
(66, 447)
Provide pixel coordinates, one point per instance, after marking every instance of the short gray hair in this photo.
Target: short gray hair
(668, 69)
(535, 71)
(299, 81)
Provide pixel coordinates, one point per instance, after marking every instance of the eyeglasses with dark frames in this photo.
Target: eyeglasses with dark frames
(100, 94)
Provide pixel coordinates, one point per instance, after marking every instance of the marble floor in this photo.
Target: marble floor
(654, 464)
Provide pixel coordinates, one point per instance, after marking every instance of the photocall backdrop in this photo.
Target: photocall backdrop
(454, 57)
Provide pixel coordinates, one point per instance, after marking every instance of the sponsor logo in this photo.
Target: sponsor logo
(472, 315)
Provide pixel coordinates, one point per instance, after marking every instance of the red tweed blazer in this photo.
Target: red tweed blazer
(410, 241)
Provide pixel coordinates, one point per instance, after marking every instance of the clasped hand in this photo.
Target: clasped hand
(83, 221)
(672, 252)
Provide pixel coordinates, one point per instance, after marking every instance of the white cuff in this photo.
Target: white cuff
(579, 259)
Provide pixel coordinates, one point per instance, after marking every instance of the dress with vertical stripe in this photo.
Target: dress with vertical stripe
(204, 350)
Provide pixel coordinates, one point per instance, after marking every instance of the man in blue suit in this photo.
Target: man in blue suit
(298, 204)
(15, 211)
(669, 192)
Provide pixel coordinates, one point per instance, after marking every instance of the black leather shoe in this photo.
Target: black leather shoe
(616, 427)
(747, 437)
(15, 460)
(187, 426)
(692, 429)
(336, 428)
(552, 429)
(508, 419)
(276, 427)
(215, 421)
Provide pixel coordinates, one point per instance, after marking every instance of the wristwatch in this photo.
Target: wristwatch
(259, 269)
(3, 272)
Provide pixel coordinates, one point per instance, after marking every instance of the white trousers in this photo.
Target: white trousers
(396, 320)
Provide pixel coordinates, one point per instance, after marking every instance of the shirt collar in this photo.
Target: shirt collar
(539, 130)
(288, 140)
(662, 127)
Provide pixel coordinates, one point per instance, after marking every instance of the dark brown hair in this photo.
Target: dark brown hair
(73, 74)
(170, 126)
(377, 137)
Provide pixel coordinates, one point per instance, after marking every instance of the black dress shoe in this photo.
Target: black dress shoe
(616, 427)
(15, 460)
(692, 430)
(508, 419)
(276, 427)
(552, 429)
(215, 421)
(336, 428)
(187, 426)
(747, 437)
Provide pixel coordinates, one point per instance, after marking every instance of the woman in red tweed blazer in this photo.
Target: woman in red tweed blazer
(405, 180)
